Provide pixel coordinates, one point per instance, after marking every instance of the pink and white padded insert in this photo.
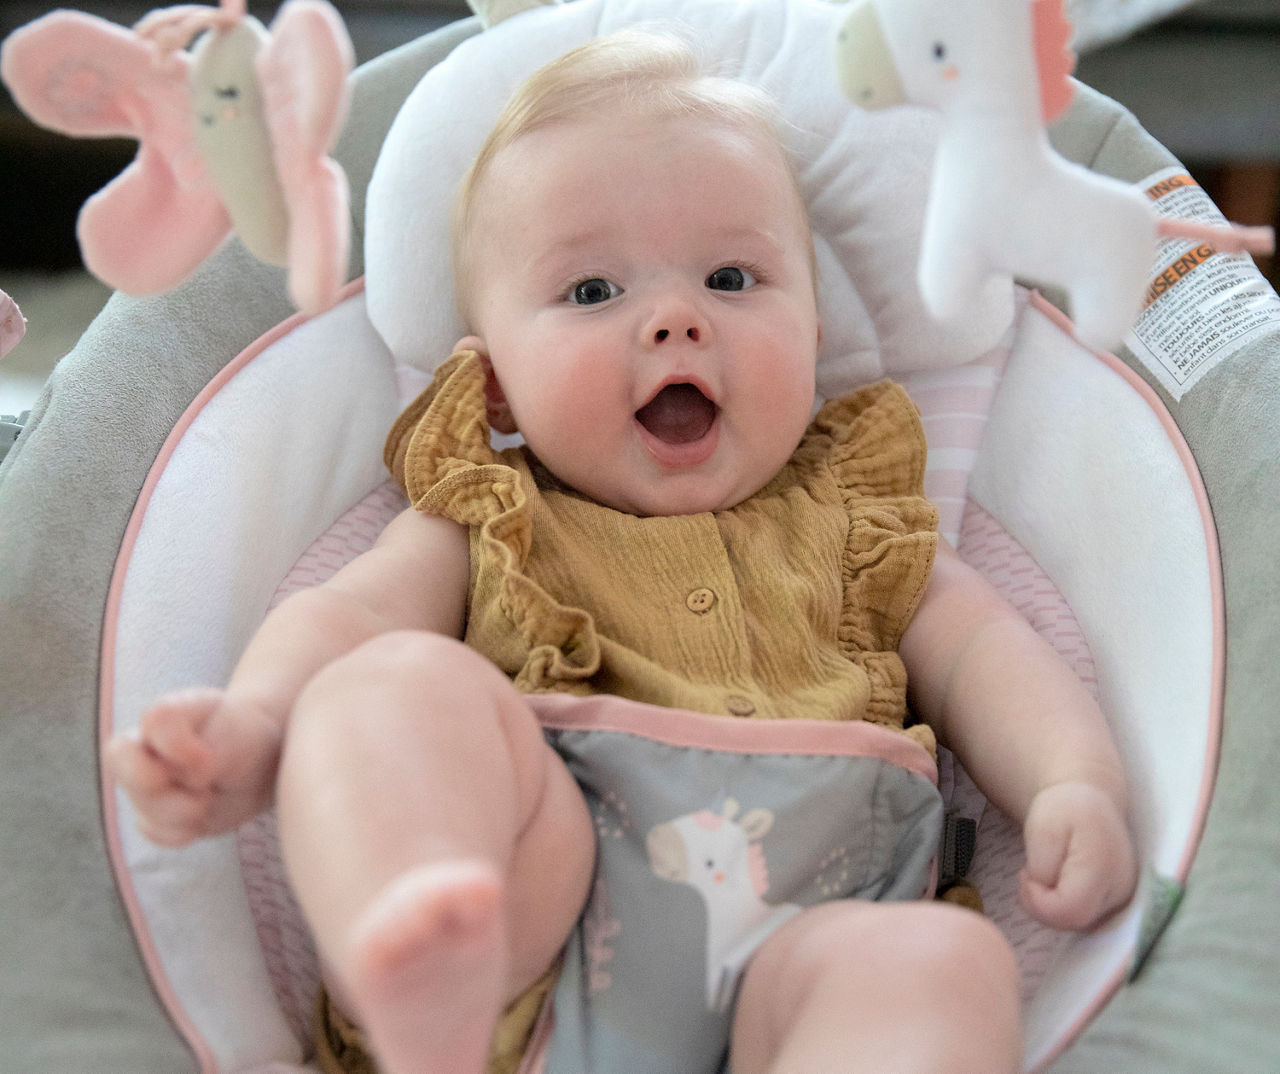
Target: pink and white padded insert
(1079, 504)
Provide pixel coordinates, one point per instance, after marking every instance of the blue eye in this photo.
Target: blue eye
(730, 278)
(593, 291)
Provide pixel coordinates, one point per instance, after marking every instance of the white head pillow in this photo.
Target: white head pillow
(864, 175)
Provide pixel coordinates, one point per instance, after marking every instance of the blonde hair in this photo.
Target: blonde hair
(646, 72)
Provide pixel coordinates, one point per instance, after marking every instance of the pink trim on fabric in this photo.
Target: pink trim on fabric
(1105, 994)
(1213, 746)
(1214, 553)
(106, 716)
(697, 730)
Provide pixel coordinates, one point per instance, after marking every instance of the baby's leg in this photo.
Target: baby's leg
(889, 988)
(440, 849)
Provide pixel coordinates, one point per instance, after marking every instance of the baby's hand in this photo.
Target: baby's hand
(199, 765)
(1080, 862)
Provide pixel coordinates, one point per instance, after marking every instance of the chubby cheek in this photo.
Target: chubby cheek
(778, 438)
(583, 397)
(569, 410)
(790, 415)
(784, 388)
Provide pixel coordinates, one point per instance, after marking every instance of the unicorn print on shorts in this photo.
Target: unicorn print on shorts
(1003, 202)
(722, 859)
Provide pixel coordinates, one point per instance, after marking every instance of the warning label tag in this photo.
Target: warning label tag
(1201, 306)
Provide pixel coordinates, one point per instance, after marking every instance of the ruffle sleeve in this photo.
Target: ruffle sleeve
(443, 431)
(875, 449)
(440, 452)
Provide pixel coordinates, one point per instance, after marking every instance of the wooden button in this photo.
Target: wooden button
(700, 600)
(739, 705)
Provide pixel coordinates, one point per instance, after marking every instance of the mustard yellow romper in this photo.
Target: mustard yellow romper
(634, 638)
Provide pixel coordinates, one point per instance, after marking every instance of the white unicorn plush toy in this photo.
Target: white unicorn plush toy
(1003, 202)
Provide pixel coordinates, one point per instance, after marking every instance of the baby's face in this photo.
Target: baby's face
(645, 296)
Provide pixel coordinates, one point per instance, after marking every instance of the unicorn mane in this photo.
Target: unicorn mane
(1055, 60)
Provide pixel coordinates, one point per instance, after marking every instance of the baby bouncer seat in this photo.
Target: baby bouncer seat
(205, 450)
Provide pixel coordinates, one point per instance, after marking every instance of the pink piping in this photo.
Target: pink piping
(1214, 555)
(204, 1054)
(696, 730)
(1214, 744)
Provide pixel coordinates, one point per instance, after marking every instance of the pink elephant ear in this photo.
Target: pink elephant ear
(84, 76)
(87, 77)
(319, 236)
(303, 73)
(144, 232)
(303, 70)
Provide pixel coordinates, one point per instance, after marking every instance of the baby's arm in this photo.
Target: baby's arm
(1032, 738)
(204, 760)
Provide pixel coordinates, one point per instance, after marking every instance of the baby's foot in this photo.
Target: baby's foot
(428, 969)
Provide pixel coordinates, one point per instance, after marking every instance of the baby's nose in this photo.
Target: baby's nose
(692, 332)
(676, 317)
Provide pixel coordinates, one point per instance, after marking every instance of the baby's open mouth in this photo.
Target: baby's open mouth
(678, 414)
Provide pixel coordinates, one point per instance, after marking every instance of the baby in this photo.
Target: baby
(681, 558)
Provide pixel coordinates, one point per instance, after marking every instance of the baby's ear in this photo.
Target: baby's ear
(497, 410)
